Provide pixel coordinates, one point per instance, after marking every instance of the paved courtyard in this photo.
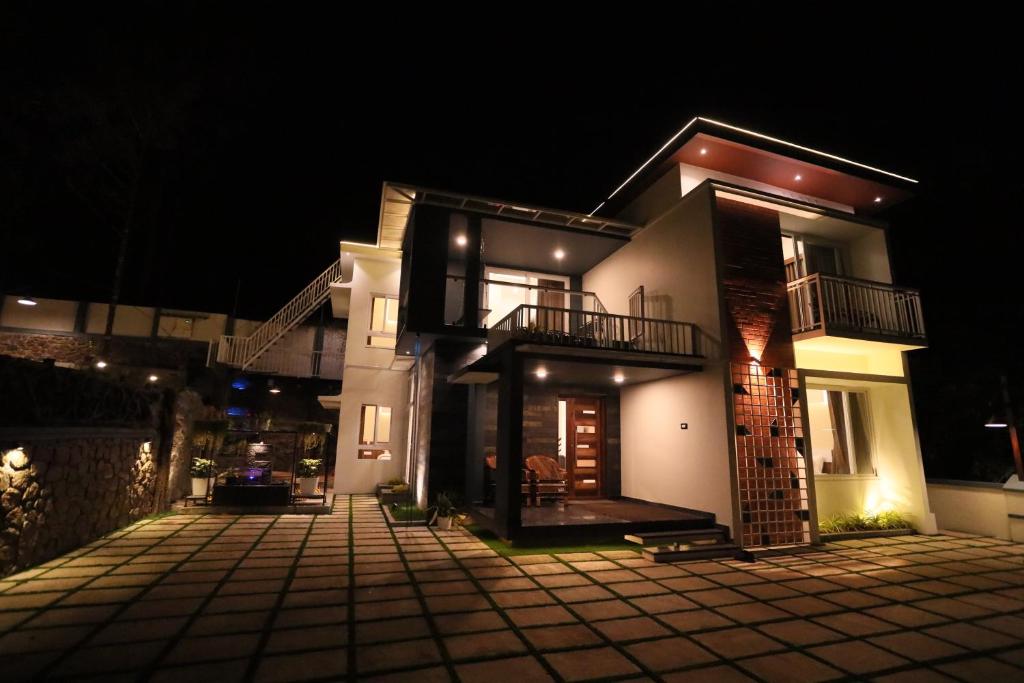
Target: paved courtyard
(340, 596)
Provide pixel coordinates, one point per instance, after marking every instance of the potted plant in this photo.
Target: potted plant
(307, 471)
(444, 508)
(201, 470)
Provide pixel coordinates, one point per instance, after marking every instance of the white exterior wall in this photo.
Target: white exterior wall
(674, 259)
(369, 379)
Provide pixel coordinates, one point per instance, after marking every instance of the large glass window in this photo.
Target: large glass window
(840, 431)
(383, 322)
(374, 430)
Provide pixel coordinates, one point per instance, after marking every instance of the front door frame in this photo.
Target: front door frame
(600, 441)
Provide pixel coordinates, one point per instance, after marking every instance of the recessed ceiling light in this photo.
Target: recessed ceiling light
(619, 378)
(153, 378)
(541, 373)
(878, 200)
(101, 364)
(27, 301)
(461, 240)
(559, 254)
(798, 177)
(703, 151)
(275, 390)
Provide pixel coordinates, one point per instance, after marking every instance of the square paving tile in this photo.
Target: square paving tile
(670, 653)
(916, 646)
(800, 632)
(480, 645)
(561, 637)
(582, 665)
(857, 657)
(511, 669)
(631, 628)
(789, 666)
(737, 642)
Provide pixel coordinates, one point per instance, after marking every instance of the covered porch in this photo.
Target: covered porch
(545, 442)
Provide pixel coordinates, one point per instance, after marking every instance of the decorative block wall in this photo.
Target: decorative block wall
(767, 411)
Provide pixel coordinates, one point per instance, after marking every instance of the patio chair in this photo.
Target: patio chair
(547, 479)
(490, 465)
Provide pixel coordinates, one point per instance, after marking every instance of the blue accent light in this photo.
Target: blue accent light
(241, 384)
(236, 411)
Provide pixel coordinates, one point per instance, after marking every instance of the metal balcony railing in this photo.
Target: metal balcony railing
(834, 304)
(596, 330)
(455, 294)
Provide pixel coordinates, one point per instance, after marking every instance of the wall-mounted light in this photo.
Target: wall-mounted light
(153, 378)
(147, 447)
(461, 240)
(15, 459)
(101, 364)
(27, 301)
(541, 373)
(559, 254)
(619, 378)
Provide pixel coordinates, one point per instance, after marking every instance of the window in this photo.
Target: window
(383, 322)
(840, 431)
(375, 424)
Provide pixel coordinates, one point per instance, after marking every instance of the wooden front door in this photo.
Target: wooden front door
(585, 436)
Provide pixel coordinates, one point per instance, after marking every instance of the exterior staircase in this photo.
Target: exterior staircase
(243, 352)
(685, 544)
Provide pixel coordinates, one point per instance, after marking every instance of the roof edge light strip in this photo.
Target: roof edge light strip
(746, 132)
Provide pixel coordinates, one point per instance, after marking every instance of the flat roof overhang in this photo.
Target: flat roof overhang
(725, 148)
(581, 366)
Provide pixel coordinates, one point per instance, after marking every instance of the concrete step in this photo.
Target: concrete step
(664, 538)
(692, 551)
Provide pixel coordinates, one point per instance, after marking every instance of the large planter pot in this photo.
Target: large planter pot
(200, 486)
(307, 486)
(444, 523)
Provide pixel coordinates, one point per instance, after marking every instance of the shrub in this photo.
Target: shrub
(308, 467)
(202, 467)
(844, 522)
(397, 481)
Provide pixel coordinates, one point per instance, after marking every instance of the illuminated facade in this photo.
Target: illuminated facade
(721, 336)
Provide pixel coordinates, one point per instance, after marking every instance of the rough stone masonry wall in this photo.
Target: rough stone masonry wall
(187, 408)
(68, 489)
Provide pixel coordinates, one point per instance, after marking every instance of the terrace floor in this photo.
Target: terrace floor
(342, 596)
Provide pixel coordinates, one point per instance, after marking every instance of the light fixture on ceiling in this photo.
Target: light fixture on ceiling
(101, 364)
(559, 254)
(878, 200)
(153, 378)
(703, 151)
(541, 373)
(996, 423)
(461, 240)
(273, 389)
(798, 177)
(619, 378)
(27, 301)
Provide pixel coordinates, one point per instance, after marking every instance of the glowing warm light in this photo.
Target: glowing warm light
(461, 240)
(559, 254)
(153, 378)
(619, 378)
(781, 208)
(878, 200)
(15, 459)
(101, 364)
(703, 151)
(996, 424)
(541, 373)
(147, 447)
(275, 390)
(798, 177)
(27, 301)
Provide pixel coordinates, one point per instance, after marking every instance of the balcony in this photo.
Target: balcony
(498, 296)
(595, 330)
(822, 305)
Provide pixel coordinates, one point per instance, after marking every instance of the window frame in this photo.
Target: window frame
(372, 333)
(869, 428)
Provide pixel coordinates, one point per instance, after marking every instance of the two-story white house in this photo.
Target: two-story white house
(718, 344)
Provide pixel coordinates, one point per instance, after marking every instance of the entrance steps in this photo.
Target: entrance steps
(685, 544)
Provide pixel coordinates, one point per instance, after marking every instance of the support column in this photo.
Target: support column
(509, 472)
(474, 268)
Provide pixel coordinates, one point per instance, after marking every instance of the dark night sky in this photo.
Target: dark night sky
(267, 137)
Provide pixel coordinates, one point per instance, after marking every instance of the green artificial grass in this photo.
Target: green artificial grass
(547, 547)
(407, 512)
(845, 522)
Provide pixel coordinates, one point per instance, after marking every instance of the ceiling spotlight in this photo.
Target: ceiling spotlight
(703, 151)
(541, 373)
(798, 177)
(101, 364)
(996, 423)
(461, 240)
(275, 390)
(27, 301)
(559, 254)
(153, 378)
(619, 378)
(878, 200)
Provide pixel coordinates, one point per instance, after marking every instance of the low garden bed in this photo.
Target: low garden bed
(852, 526)
(404, 514)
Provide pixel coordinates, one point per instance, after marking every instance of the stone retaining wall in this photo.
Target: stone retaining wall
(69, 487)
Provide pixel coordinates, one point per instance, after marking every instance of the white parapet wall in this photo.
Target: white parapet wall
(984, 508)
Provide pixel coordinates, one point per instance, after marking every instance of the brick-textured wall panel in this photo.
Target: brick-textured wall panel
(771, 468)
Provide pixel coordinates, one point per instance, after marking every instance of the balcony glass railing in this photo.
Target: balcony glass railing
(597, 330)
(834, 304)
